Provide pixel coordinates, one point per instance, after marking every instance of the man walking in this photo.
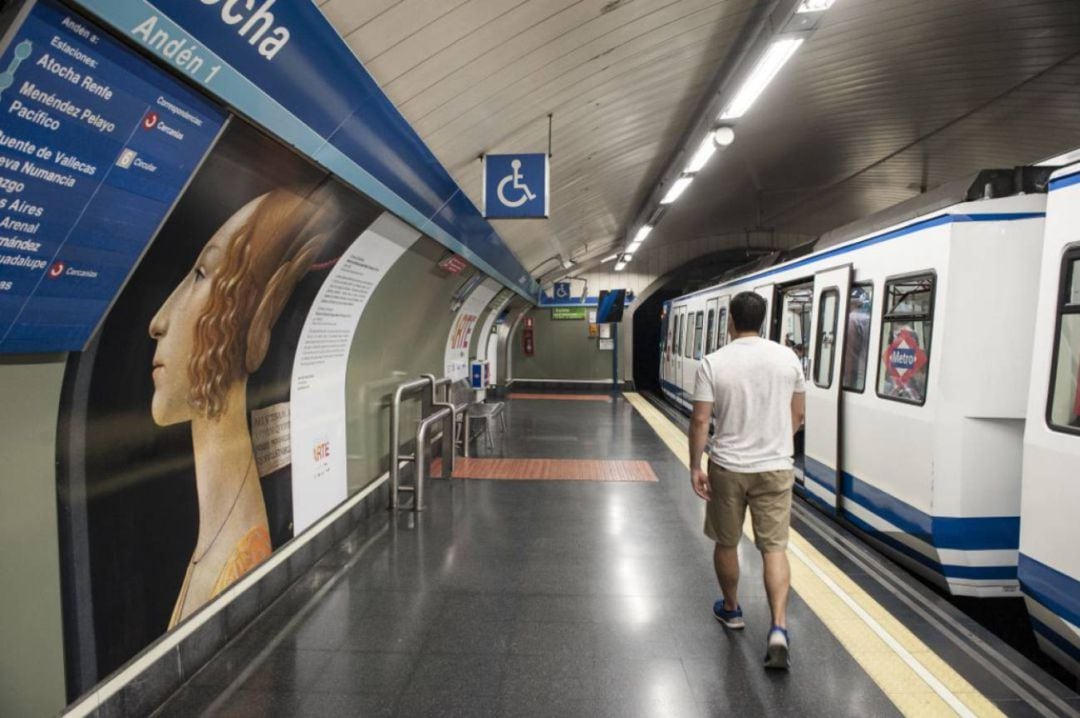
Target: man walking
(754, 390)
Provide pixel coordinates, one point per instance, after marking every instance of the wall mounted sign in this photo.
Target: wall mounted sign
(516, 186)
(453, 264)
(558, 313)
(96, 144)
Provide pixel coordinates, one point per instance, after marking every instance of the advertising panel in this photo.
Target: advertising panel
(320, 469)
(95, 147)
(175, 470)
(456, 364)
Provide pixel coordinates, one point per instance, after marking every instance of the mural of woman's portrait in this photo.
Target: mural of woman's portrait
(163, 502)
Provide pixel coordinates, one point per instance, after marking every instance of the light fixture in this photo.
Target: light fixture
(677, 188)
(607, 259)
(814, 5)
(642, 233)
(723, 136)
(759, 78)
(704, 152)
(634, 246)
(619, 266)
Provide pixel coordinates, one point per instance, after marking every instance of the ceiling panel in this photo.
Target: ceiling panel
(886, 98)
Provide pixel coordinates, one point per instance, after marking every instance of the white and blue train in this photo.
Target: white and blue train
(932, 425)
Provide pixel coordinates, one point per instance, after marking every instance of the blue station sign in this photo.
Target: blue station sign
(96, 145)
(516, 186)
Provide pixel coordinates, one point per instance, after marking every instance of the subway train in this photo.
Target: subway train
(941, 343)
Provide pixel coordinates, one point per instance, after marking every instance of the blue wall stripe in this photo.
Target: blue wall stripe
(317, 97)
(1057, 591)
(919, 226)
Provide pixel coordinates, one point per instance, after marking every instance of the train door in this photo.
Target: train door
(680, 340)
(710, 327)
(766, 292)
(832, 287)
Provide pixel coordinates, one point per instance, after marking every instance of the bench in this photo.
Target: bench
(475, 413)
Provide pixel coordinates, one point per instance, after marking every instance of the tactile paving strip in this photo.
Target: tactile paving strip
(564, 397)
(553, 469)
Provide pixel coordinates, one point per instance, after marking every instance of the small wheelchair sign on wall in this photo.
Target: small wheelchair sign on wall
(516, 186)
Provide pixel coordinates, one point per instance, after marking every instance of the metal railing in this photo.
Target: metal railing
(445, 413)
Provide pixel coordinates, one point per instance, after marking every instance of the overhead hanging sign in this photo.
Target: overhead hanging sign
(516, 186)
(96, 144)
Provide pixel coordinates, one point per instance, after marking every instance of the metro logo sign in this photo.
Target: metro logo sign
(904, 357)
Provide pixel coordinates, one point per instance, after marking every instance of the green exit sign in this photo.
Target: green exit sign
(568, 312)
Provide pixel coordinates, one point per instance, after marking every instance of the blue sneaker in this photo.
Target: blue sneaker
(776, 653)
(731, 619)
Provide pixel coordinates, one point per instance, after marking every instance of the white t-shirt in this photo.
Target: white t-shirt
(750, 382)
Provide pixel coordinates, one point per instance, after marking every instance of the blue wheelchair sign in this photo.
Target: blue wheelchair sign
(516, 186)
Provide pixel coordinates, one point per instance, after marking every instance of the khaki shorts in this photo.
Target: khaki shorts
(767, 493)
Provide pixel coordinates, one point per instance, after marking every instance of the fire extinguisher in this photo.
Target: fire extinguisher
(527, 337)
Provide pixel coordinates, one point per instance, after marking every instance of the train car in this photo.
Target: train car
(915, 335)
(1049, 566)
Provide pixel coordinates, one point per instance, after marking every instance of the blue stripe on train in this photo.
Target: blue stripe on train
(967, 534)
(1062, 643)
(1057, 591)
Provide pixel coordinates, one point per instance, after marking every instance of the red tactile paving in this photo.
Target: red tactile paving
(564, 397)
(552, 469)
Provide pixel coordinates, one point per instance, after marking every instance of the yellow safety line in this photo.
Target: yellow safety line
(916, 680)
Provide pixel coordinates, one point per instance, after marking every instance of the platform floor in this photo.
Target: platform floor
(575, 598)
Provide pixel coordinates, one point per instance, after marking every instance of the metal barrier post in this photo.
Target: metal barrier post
(409, 387)
(421, 445)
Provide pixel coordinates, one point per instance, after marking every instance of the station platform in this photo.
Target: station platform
(566, 574)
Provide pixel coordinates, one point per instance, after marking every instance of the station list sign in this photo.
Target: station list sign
(96, 145)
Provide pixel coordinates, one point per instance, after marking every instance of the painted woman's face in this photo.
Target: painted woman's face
(173, 327)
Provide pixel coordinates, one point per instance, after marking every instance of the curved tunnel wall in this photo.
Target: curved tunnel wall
(240, 381)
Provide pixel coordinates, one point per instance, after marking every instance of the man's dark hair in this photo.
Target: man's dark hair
(747, 312)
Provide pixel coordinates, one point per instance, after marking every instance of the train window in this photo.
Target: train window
(795, 316)
(678, 333)
(1063, 411)
(721, 329)
(826, 338)
(907, 321)
(857, 337)
(699, 320)
(710, 335)
(688, 349)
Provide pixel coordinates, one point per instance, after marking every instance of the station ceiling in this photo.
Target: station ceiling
(886, 98)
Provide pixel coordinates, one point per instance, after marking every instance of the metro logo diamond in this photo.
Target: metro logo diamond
(904, 357)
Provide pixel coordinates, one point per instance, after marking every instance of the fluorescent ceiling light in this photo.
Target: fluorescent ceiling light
(677, 189)
(619, 266)
(642, 233)
(607, 259)
(759, 78)
(634, 246)
(814, 5)
(704, 152)
(1066, 158)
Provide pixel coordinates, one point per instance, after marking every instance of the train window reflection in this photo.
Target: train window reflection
(857, 337)
(688, 337)
(1064, 409)
(826, 339)
(905, 339)
(709, 333)
(721, 329)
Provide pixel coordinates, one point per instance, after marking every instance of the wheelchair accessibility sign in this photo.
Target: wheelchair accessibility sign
(516, 186)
